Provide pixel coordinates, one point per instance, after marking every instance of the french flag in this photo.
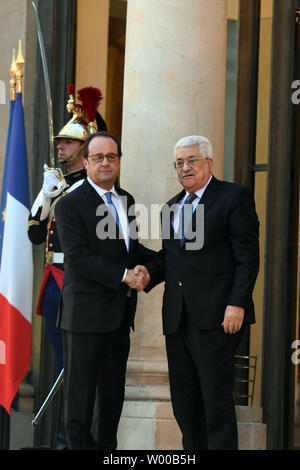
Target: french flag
(16, 268)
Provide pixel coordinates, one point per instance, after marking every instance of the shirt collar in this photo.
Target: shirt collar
(102, 191)
(200, 191)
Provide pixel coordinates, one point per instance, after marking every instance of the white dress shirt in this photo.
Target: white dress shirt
(199, 194)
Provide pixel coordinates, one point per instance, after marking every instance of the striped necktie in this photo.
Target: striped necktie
(184, 219)
(113, 209)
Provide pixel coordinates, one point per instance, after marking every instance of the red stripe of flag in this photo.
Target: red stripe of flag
(15, 351)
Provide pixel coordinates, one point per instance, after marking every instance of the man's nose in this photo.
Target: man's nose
(105, 161)
(186, 164)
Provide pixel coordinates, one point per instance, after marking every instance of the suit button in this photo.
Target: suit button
(179, 283)
(51, 232)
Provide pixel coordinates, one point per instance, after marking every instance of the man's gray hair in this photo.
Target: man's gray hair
(203, 143)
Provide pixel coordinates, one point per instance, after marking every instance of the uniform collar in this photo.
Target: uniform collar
(75, 175)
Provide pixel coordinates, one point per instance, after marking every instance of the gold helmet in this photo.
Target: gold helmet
(85, 120)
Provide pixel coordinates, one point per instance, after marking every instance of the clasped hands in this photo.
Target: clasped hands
(137, 278)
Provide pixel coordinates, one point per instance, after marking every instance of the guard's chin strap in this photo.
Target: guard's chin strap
(73, 156)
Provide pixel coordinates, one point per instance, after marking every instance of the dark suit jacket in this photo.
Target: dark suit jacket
(222, 272)
(93, 296)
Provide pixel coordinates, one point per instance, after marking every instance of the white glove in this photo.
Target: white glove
(54, 183)
(44, 203)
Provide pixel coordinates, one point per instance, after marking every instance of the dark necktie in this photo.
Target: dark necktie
(184, 219)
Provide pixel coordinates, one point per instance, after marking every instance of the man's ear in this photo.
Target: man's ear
(85, 162)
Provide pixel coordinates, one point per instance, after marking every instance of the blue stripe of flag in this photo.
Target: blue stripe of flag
(17, 173)
(4, 180)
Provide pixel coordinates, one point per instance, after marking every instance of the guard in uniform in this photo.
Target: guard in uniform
(41, 223)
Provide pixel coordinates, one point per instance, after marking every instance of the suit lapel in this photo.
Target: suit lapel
(131, 216)
(91, 193)
(169, 220)
(207, 200)
(210, 193)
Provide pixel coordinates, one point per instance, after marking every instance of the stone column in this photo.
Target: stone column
(174, 86)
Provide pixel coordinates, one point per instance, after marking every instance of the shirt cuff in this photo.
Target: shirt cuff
(124, 275)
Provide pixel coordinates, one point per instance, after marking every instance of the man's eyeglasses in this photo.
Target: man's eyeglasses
(99, 157)
(178, 165)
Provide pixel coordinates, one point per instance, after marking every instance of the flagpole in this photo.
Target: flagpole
(19, 71)
(13, 71)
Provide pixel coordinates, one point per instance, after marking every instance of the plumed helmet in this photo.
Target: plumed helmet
(85, 118)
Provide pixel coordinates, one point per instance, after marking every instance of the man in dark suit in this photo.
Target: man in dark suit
(42, 225)
(208, 293)
(98, 296)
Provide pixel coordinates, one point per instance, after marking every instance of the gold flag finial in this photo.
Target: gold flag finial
(13, 71)
(19, 64)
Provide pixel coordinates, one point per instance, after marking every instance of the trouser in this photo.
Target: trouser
(201, 371)
(95, 361)
(49, 305)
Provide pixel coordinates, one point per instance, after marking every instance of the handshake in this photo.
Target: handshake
(137, 278)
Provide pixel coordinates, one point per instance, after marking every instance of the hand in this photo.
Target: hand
(137, 278)
(54, 182)
(233, 319)
(143, 273)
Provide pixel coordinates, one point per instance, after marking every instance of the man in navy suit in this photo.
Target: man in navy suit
(99, 294)
(208, 293)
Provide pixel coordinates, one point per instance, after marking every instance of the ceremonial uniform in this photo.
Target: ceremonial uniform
(40, 231)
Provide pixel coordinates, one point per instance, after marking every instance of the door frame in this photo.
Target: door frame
(282, 216)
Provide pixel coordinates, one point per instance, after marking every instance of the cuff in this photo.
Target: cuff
(124, 275)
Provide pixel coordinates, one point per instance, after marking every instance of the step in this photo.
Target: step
(252, 436)
(148, 423)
